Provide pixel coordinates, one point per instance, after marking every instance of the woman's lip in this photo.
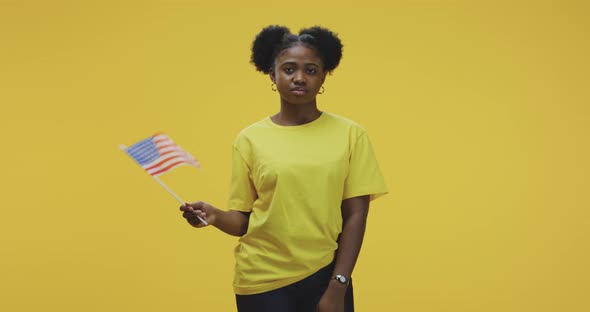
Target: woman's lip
(299, 90)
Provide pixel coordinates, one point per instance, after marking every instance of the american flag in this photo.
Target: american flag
(158, 154)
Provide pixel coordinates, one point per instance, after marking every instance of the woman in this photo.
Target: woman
(300, 188)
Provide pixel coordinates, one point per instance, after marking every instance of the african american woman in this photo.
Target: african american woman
(300, 188)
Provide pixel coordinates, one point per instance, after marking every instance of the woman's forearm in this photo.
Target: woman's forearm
(354, 214)
(231, 222)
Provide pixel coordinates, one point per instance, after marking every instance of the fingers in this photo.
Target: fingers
(192, 212)
(201, 214)
(192, 218)
(195, 205)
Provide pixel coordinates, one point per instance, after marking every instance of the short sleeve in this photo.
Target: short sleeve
(364, 175)
(242, 193)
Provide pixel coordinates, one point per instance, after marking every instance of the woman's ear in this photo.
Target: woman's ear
(271, 75)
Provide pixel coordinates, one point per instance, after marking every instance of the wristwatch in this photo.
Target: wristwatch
(342, 279)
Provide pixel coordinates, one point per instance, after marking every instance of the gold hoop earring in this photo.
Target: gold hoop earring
(322, 90)
(273, 87)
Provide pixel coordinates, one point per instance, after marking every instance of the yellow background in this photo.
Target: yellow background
(478, 111)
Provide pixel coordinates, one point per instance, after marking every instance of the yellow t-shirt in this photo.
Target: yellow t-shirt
(293, 180)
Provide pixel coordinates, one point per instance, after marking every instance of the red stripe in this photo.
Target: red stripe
(172, 165)
(163, 161)
(158, 142)
(165, 139)
(172, 151)
(161, 146)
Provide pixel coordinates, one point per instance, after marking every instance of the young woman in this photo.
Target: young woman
(301, 184)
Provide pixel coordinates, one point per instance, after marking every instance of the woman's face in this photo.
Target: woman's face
(298, 74)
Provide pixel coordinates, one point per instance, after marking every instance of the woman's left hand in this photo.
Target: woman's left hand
(333, 299)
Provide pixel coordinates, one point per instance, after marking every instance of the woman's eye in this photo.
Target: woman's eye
(311, 71)
(289, 70)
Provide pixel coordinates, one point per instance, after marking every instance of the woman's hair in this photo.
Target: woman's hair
(273, 39)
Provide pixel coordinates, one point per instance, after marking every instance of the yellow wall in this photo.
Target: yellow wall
(478, 112)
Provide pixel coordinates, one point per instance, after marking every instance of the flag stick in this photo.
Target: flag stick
(124, 149)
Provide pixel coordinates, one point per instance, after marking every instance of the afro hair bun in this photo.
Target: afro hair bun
(326, 43)
(265, 45)
(275, 38)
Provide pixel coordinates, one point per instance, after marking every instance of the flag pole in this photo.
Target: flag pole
(124, 149)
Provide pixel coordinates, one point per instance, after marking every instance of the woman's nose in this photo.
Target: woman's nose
(298, 77)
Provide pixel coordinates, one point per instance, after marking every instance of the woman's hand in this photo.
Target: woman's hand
(201, 209)
(333, 299)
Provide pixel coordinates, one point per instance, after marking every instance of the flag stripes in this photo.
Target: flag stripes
(158, 154)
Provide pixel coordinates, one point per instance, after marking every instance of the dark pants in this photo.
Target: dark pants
(302, 296)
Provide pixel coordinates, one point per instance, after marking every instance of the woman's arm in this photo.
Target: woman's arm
(231, 222)
(354, 215)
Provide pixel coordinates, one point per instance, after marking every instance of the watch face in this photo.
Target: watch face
(341, 279)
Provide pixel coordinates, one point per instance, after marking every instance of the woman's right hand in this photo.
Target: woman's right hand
(201, 209)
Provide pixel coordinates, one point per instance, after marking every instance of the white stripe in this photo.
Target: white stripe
(165, 142)
(171, 148)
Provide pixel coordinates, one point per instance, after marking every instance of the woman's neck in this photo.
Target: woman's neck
(296, 114)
